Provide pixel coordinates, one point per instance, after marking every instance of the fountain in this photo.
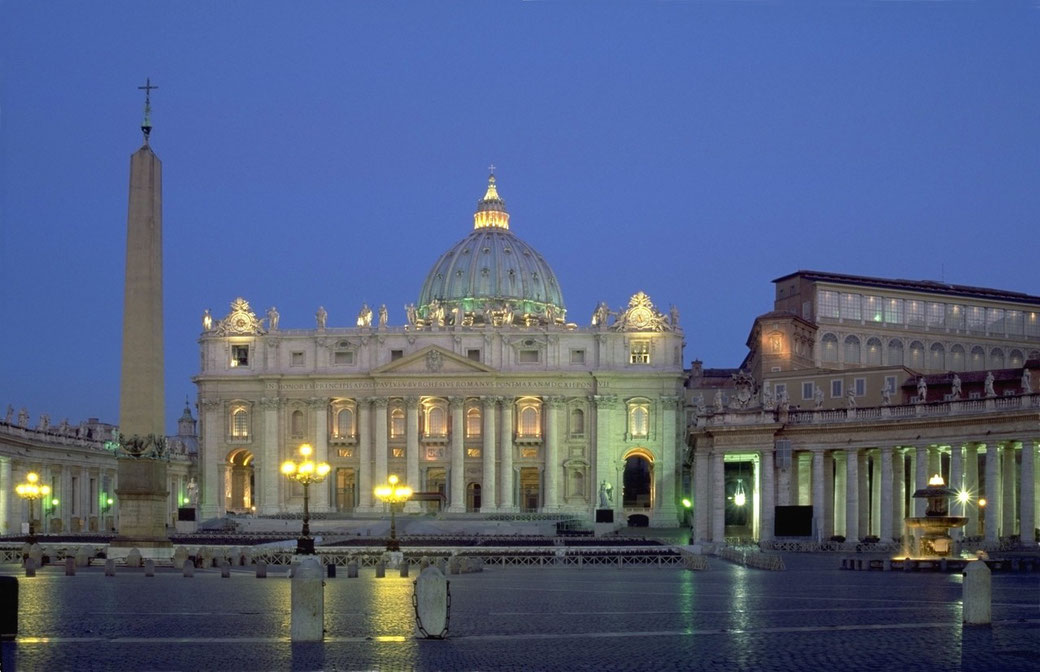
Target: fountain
(932, 531)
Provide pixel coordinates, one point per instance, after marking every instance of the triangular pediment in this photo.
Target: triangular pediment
(432, 360)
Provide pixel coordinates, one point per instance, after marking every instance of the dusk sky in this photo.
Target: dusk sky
(327, 153)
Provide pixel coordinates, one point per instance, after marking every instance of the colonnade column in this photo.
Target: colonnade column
(718, 498)
(992, 514)
(411, 450)
(784, 478)
(506, 445)
(1027, 517)
(898, 492)
(458, 476)
(552, 458)
(487, 489)
(831, 473)
(956, 484)
(6, 487)
(269, 503)
(863, 493)
(320, 492)
(381, 440)
(701, 499)
(851, 495)
(818, 499)
(211, 504)
(840, 496)
(1007, 499)
(921, 480)
(971, 485)
(875, 494)
(365, 454)
(665, 472)
(767, 500)
(885, 511)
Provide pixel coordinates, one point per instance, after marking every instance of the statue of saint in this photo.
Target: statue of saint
(955, 387)
(989, 391)
(818, 396)
(272, 318)
(321, 317)
(922, 390)
(193, 492)
(601, 314)
(886, 395)
(718, 401)
(207, 320)
(23, 417)
(673, 317)
(383, 316)
(606, 495)
(850, 398)
(364, 317)
(411, 314)
(1027, 382)
(63, 428)
(45, 422)
(9, 418)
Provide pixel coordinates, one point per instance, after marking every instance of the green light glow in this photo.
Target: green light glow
(687, 503)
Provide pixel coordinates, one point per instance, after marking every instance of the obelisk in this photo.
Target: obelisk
(142, 488)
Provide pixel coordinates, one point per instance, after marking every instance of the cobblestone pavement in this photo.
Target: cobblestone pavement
(811, 617)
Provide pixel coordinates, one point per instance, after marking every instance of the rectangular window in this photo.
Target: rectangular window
(474, 354)
(1032, 324)
(890, 384)
(781, 390)
(976, 318)
(915, 313)
(894, 311)
(827, 304)
(1013, 320)
(835, 389)
(296, 359)
(808, 390)
(528, 356)
(995, 320)
(344, 357)
(239, 355)
(873, 308)
(954, 316)
(396, 354)
(851, 307)
(861, 386)
(577, 356)
(936, 314)
(639, 352)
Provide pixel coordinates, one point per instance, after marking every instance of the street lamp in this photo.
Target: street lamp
(30, 490)
(982, 516)
(305, 473)
(392, 494)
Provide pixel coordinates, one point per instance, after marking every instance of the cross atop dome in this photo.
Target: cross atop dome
(491, 210)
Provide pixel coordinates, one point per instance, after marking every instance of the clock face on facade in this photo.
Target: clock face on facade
(640, 317)
(241, 322)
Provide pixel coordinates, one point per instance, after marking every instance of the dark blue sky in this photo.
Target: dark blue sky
(327, 153)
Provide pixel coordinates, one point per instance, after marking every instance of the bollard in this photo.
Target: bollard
(352, 570)
(308, 602)
(225, 570)
(380, 569)
(8, 607)
(110, 567)
(30, 567)
(404, 569)
(70, 567)
(888, 564)
(978, 594)
(332, 570)
(189, 568)
(430, 598)
(261, 569)
(907, 565)
(149, 567)
(133, 558)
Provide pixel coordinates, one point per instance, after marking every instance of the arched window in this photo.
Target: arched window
(240, 422)
(296, 424)
(830, 348)
(528, 422)
(436, 421)
(396, 423)
(996, 358)
(638, 419)
(345, 423)
(852, 350)
(937, 357)
(874, 352)
(577, 422)
(472, 423)
(895, 352)
(957, 358)
(1015, 359)
(916, 355)
(978, 358)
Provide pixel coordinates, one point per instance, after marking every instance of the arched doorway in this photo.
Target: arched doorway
(530, 489)
(238, 482)
(638, 480)
(345, 482)
(473, 497)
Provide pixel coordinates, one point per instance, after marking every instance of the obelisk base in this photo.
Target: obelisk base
(142, 497)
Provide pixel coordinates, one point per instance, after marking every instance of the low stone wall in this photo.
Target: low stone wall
(751, 558)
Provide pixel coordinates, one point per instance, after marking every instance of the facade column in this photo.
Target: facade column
(818, 497)
(458, 475)
(1027, 517)
(840, 498)
(488, 494)
(898, 492)
(863, 490)
(803, 486)
(767, 500)
(552, 457)
(831, 518)
(268, 481)
(875, 493)
(885, 495)
(211, 500)
(320, 492)
(784, 479)
(718, 497)
(6, 488)
(380, 446)
(664, 471)
(1008, 509)
(364, 478)
(992, 494)
(956, 484)
(411, 450)
(605, 468)
(507, 496)
(971, 485)
(851, 495)
(701, 496)
(934, 462)
(920, 480)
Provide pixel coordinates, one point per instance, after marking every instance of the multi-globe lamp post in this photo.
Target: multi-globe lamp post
(31, 490)
(393, 494)
(305, 472)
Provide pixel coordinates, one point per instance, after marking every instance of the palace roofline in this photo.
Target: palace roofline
(927, 286)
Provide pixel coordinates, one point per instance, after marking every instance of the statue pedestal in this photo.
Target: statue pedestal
(142, 497)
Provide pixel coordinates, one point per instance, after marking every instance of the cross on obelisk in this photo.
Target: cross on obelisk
(146, 125)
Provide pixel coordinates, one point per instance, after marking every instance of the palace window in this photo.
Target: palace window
(296, 424)
(239, 422)
(894, 311)
(895, 352)
(995, 320)
(873, 308)
(873, 351)
(781, 390)
(343, 355)
(472, 423)
(978, 359)
(836, 389)
(528, 421)
(1032, 324)
(916, 355)
(1013, 321)
(827, 304)
(473, 354)
(976, 318)
(954, 316)
(851, 350)
(435, 421)
(396, 354)
(830, 348)
(396, 423)
(808, 391)
(860, 385)
(957, 358)
(639, 352)
(851, 307)
(890, 384)
(239, 355)
(638, 419)
(937, 357)
(996, 358)
(344, 424)
(915, 313)
(1015, 359)
(935, 314)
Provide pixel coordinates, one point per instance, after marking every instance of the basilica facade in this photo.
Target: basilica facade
(486, 400)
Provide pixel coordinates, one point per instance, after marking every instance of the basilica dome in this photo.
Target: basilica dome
(491, 276)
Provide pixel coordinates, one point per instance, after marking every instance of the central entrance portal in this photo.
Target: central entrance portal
(637, 496)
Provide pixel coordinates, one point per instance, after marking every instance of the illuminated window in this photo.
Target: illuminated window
(915, 313)
(1013, 319)
(639, 419)
(978, 359)
(916, 355)
(957, 358)
(528, 421)
(577, 422)
(895, 352)
(996, 358)
(296, 359)
(827, 304)
(1032, 324)
(473, 452)
(995, 320)
(239, 422)
(894, 311)
(937, 356)
(776, 344)
(639, 352)
(296, 424)
(396, 423)
(874, 351)
(239, 355)
(851, 307)
(936, 314)
(1015, 359)
(954, 316)
(976, 318)
(473, 423)
(852, 350)
(830, 348)
(435, 421)
(345, 423)
(873, 308)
